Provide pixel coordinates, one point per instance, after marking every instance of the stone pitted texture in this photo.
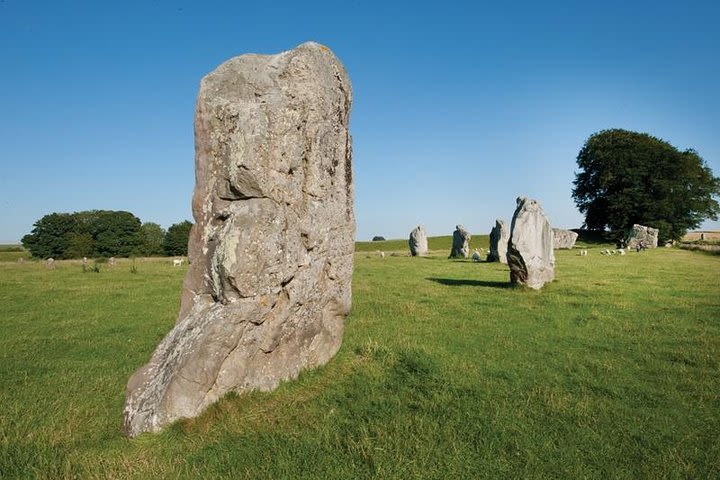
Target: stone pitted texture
(418, 242)
(498, 242)
(272, 247)
(530, 250)
(638, 234)
(564, 238)
(461, 243)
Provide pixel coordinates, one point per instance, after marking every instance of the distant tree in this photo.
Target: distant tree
(116, 233)
(628, 177)
(153, 236)
(79, 245)
(176, 239)
(51, 235)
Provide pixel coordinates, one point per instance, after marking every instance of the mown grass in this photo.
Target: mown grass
(611, 371)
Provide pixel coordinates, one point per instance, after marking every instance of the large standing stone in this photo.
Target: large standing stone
(564, 238)
(498, 242)
(418, 242)
(272, 248)
(530, 251)
(647, 237)
(461, 243)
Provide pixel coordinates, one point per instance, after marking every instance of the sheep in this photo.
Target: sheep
(382, 254)
(50, 263)
(583, 253)
(111, 262)
(476, 256)
(177, 262)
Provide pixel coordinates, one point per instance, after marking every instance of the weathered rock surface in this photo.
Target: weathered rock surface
(461, 243)
(530, 250)
(418, 242)
(499, 236)
(271, 251)
(641, 235)
(564, 238)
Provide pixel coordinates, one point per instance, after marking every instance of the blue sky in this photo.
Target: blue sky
(459, 107)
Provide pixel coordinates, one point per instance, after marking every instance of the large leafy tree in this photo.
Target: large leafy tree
(116, 233)
(51, 235)
(176, 238)
(84, 234)
(628, 177)
(153, 239)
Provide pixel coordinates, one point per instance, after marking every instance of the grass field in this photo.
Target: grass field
(611, 371)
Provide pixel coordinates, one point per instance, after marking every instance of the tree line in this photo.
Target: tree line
(104, 233)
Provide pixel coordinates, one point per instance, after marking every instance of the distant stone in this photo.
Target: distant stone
(271, 252)
(564, 238)
(461, 243)
(499, 236)
(530, 250)
(640, 236)
(378, 239)
(418, 242)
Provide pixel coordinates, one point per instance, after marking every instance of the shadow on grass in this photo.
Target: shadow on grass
(455, 282)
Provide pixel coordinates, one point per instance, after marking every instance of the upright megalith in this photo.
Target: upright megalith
(530, 253)
(640, 236)
(498, 242)
(564, 238)
(418, 242)
(272, 247)
(461, 243)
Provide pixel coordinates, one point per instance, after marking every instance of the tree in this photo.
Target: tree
(628, 177)
(51, 235)
(176, 238)
(153, 237)
(116, 233)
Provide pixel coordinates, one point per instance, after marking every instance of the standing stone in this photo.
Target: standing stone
(418, 242)
(564, 238)
(461, 243)
(498, 242)
(640, 235)
(271, 251)
(530, 251)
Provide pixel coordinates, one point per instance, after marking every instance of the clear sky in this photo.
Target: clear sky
(459, 107)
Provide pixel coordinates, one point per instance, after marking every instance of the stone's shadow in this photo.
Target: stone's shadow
(456, 282)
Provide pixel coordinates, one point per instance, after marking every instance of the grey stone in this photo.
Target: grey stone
(461, 243)
(530, 250)
(641, 236)
(418, 242)
(271, 251)
(378, 238)
(499, 236)
(564, 238)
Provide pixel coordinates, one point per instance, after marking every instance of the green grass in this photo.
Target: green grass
(437, 244)
(611, 371)
(11, 253)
